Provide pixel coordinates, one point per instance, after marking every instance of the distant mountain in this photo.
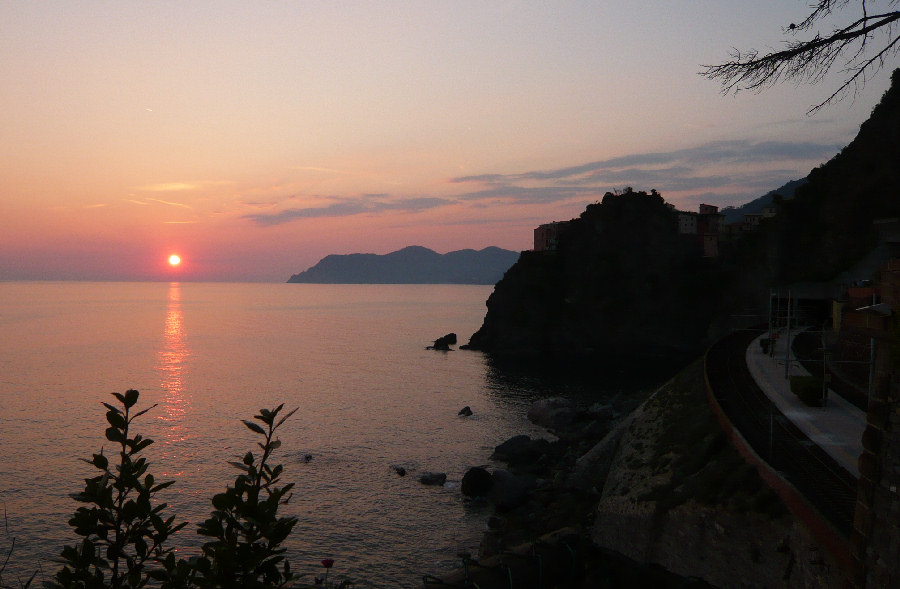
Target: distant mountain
(411, 265)
(736, 214)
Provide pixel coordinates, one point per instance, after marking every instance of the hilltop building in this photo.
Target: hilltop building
(706, 224)
(546, 237)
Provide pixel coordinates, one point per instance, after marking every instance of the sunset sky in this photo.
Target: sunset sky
(252, 139)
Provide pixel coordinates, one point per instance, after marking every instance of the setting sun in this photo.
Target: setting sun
(174, 260)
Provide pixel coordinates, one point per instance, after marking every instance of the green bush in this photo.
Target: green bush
(125, 536)
(808, 389)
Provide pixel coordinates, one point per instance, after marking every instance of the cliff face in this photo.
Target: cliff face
(622, 282)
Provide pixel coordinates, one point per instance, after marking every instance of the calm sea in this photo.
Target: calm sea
(352, 358)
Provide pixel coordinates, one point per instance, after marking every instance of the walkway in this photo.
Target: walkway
(800, 469)
(837, 427)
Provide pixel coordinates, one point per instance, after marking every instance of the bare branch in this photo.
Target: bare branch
(810, 60)
(860, 72)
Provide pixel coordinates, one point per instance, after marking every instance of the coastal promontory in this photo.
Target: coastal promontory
(411, 265)
(622, 281)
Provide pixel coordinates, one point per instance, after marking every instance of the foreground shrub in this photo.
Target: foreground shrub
(125, 537)
(123, 531)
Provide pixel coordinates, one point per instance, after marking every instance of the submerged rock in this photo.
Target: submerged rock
(433, 478)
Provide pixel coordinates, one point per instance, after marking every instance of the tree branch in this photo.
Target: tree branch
(812, 59)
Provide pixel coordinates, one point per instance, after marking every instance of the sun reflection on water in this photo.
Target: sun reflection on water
(172, 359)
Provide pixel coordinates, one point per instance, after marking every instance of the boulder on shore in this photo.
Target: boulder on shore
(552, 413)
(520, 449)
(477, 482)
(507, 491)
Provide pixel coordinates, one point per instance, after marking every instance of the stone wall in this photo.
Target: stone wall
(875, 543)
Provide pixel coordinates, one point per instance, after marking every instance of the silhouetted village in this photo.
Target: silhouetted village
(708, 224)
(825, 365)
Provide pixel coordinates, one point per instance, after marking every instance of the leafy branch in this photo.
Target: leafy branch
(122, 528)
(245, 528)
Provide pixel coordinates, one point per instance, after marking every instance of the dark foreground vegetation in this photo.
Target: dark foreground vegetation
(126, 538)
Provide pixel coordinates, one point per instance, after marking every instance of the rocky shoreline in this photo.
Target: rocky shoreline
(651, 490)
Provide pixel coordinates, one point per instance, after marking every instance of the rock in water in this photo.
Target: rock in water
(433, 478)
(465, 411)
(443, 342)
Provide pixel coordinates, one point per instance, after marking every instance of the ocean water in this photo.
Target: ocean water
(351, 358)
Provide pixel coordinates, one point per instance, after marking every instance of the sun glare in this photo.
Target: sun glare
(174, 260)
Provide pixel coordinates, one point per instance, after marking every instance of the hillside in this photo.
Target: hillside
(411, 265)
(786, 191)
(828, 225)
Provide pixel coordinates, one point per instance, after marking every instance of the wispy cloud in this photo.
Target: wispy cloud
(723, 172)
(364, 204)
(169, 187)
(170, 203)
(738, 168)
(687, 160)
(318, 169)
(182, 186)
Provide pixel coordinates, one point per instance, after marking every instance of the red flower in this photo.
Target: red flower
(328, 563)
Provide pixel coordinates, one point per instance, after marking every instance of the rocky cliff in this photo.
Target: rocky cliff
(664, 489)
(622, 282)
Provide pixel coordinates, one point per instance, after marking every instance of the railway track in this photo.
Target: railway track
(827, 486)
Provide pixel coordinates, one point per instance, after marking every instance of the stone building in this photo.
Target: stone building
(546, 237)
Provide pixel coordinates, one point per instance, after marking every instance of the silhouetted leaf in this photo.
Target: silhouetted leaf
(283, 419)
(162, 486)
(139, 413)
(222, 501)
(131, 397)
(112, 407)
(115, 419)
(254, 427)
